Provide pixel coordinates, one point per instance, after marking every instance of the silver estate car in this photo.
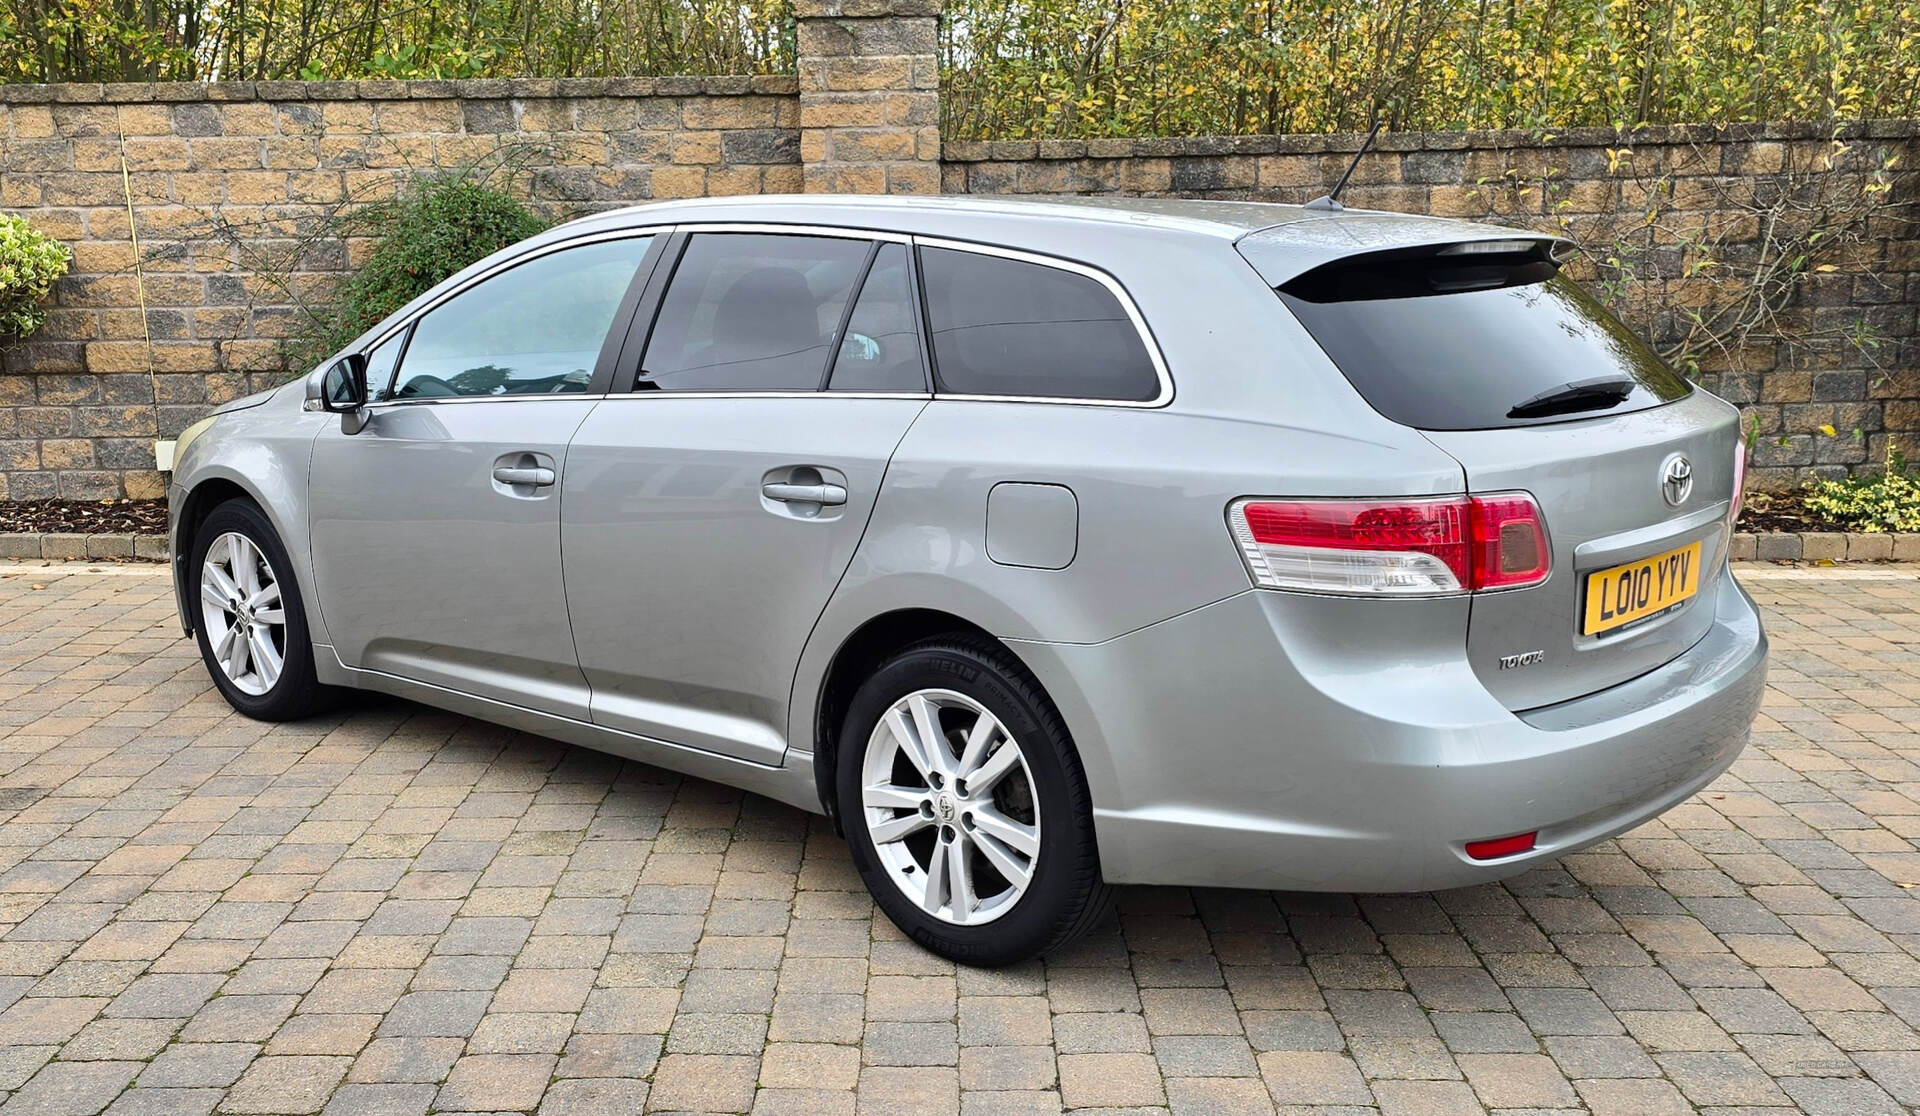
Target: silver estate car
(1042, 545)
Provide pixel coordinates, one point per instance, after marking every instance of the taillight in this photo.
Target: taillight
(1426, 547)
(1739, 482)
(1509, 542)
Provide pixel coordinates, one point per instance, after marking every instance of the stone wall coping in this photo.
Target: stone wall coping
(865, 9)
(60, 546)
(1825, 546)
(979, 151)
(478, 89)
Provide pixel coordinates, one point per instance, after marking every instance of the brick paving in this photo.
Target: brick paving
(396, 910)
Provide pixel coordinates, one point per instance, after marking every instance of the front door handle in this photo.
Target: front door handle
(826, 495)
(534, 476)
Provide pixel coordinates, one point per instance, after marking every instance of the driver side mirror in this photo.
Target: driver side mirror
(341, 388)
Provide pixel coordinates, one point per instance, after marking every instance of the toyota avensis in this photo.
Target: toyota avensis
(1043, 546)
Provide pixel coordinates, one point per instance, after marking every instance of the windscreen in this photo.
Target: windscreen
(1472, 344)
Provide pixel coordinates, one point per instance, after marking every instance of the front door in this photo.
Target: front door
(436, 526)
(710, 512)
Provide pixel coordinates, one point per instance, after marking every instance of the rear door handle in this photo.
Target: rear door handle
(827, 495)
(536, 476)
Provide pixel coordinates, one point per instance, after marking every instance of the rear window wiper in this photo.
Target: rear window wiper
(1596, 394)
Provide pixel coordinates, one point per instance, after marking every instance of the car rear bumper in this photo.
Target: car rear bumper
(1280, 740)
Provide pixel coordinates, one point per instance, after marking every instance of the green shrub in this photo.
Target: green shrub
(30, 261)
(1886, 501)
(434, 226)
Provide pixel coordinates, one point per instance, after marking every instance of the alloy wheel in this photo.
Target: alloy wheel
(949, 803)
(244, 618)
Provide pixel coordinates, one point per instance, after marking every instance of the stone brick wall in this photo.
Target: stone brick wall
(1593, 185)
(869, 95)
(223, 180)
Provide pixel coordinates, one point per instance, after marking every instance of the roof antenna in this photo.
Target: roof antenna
(1330, 203)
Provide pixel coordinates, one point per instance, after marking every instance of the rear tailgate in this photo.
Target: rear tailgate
(1532, 386)
(1601, 486)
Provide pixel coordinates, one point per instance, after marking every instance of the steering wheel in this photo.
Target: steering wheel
(425, 385)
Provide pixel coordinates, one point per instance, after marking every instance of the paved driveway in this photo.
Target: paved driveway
(397, 910)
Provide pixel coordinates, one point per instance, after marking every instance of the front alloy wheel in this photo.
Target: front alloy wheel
(965, 804)
(241, 607)
(251, 627)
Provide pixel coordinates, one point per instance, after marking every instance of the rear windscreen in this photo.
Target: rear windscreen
(1439, 345)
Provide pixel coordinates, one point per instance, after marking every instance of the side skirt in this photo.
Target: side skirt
(791, 783)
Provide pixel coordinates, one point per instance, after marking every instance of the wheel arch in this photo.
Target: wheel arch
(854, 659)
(212, 486)
(198, 503)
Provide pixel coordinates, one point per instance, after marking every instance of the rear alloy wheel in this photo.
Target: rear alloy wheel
(251, 628)
(949, 804)
(966, 807)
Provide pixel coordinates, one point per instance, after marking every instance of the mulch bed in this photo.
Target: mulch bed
(149, 517)
(1786, 512)
(83, 517)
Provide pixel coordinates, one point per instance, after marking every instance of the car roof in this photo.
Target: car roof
(1279, 240)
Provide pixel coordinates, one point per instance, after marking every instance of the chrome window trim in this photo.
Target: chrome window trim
(838, 232)
(1113, 286)
(509, 264)
(1159, 360)
(815, 394)
(615, 396)
(464, 399)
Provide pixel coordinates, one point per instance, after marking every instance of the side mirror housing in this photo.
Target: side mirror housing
(341, 388)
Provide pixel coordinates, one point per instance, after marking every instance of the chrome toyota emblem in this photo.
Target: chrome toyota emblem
(944, 807)
(1676, 479)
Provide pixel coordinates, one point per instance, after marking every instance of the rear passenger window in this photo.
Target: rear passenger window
(751, 312)
(1009, 327)
(881, 351)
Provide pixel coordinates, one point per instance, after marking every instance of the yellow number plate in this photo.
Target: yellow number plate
(1637, 590)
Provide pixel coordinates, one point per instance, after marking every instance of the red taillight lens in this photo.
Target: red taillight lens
(1500, 846)
(1393, 547)
(1509, 542)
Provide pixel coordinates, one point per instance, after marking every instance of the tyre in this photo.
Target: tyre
(251, 623)
(965, 805)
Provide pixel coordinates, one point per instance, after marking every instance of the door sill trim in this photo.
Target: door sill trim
(790, 781)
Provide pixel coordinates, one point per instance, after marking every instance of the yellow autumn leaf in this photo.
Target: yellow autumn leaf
(1827, 429)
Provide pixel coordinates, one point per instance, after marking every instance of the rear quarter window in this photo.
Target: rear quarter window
(1002, 326)
(1428, 354)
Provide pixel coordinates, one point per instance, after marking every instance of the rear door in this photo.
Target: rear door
(711, 507)
(1533, 387)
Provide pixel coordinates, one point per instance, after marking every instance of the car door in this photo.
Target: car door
(710, 509)
(436, 525)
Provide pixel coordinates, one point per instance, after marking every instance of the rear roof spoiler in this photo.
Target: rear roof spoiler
(1282, 252)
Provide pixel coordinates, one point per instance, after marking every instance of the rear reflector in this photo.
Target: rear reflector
(1500, 846)
(1427, 547)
